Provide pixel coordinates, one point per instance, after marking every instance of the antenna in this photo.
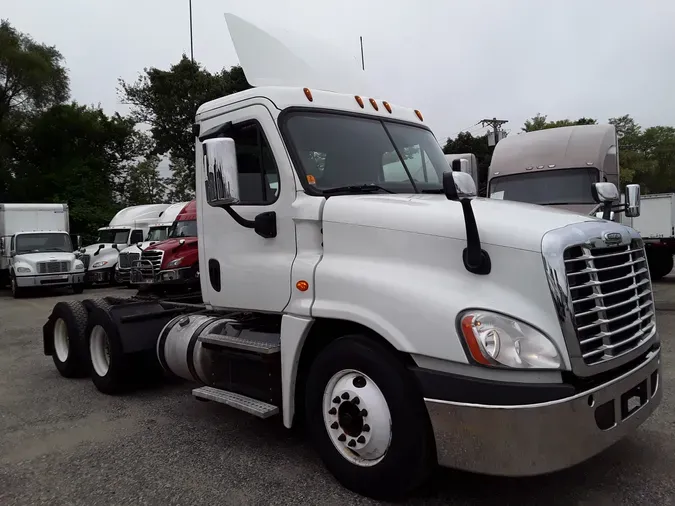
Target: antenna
(363, 65)
(192, 49)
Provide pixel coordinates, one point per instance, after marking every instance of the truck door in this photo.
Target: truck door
(243, 269)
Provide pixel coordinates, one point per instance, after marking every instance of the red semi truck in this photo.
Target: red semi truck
(173, 262)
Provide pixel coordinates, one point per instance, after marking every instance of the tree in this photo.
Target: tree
(167, 101)
(78, 155)
(539, 122)
(181, 184)
(144, 183)
(467, 143)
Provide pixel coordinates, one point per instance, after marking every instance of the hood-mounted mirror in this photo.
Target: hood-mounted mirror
(460, 186)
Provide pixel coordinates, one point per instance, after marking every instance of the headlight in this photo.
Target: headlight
(23, 269)
(497, 340)
(79, 266)
(174, 263)
(99, 264)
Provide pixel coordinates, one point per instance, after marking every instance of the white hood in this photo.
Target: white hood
(31, 260)
(135, 249)
(107, 254)
(500, 223)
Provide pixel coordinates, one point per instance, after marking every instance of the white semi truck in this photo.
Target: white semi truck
(406, 321)
(156, 233)
(129, 226)
(36, 249)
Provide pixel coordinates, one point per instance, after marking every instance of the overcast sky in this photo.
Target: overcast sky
(458, 61)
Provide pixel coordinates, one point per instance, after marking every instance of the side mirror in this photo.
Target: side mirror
(12, 254)
(604, 193)
(114, 246)
(220, 167)
(458, 185)
(632, 200)
(181, 242)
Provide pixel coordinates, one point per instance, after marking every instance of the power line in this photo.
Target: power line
(496, 129)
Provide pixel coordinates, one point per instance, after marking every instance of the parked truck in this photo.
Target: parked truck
(469, 164)
(407, 322)
(555, 167)
(36, 248)
(174, 262)
(128, 226)
(156, 234)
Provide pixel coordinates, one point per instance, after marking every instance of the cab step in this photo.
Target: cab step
(240, 402)
(263, 344)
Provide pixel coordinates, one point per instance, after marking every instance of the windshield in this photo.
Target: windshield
(38, 243)
(158, 234)
(336, 150)
(183, 229)
(114, 236)
(565, 186)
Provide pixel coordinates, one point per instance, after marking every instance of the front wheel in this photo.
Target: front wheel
(368, 419)
(17, 291)
(78, 288)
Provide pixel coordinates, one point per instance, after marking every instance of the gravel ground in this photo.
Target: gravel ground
(61, 442)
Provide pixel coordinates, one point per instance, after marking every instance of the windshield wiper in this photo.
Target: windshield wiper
(433, 190)
(356, 188)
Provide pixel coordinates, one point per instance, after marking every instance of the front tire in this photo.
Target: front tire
(17, 291)
(368, 420)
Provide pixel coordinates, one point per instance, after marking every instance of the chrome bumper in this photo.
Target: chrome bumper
(528, 440)
(46, 280)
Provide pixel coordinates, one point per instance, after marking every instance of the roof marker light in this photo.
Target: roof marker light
(359, 100)
(387, 106)
(374, 104)
(419, 115)
(308, 94)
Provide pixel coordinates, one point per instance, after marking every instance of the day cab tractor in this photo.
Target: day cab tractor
(405, 321)
(174, 262)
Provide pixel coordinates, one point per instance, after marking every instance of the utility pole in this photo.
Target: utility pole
(363, 64)
(192, 48)
(496, 128)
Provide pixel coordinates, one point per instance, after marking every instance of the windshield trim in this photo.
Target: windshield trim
(295, 157)
(488, 191)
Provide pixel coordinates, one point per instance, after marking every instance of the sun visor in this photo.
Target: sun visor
(294, 60)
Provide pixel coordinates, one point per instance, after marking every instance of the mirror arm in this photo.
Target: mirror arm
(476, 260)
(238, 218)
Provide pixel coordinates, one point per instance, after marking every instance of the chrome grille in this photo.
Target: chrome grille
(126, 259)
(611, 298)
(52, 267)
(154, 258)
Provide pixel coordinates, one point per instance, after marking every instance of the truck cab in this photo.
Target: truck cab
(174, 261)
(555, 167)
(156, 234)
(128, 226)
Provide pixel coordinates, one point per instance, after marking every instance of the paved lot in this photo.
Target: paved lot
(61, 442)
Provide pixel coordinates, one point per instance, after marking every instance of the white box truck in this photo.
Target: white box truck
(406, 321)
(656, 226)
(36, 249)
(128, 226)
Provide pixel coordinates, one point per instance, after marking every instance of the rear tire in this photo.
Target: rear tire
(78, 288)
(368, 420)
(69, 322)
(110, 367)
(660, 263)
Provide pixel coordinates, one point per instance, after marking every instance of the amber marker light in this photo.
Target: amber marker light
(387, 106)
(302, 285)
(308, 94)
(419, 115)
(359, 100)
(471, 339)
(374, 104)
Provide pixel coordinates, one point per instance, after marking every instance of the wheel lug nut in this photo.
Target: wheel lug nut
(361, 440)
(366, 428)
(356, 400)
(351, 444)
(345, 396)
(334, 425)
(342, 438)
(332, 411)
(364, 413)
(336, 400)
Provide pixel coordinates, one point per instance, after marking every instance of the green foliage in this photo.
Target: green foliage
(167, 100)
(144, 183)
(540, 122)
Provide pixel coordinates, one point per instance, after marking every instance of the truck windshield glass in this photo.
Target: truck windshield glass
(336, 150)
(114, 236)
(158, 234)
(42, 243)
(184, 229)
(552, 187)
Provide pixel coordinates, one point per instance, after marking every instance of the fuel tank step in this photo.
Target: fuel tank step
(240, 402)
(264, 344)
